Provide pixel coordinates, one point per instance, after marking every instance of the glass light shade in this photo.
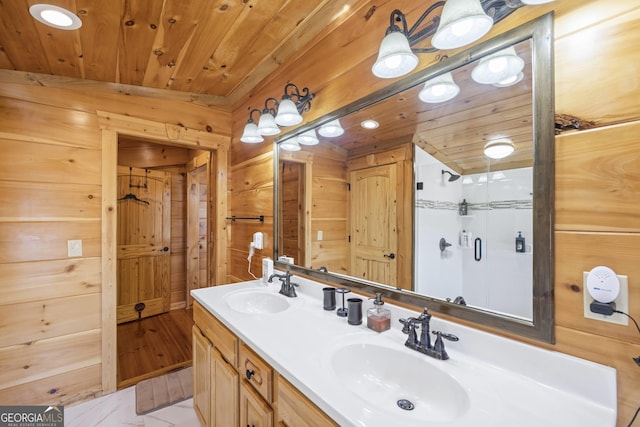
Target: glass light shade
(462, 22)
(331, 129)
(395, 57)
(288, 114)
(267, 125)
(55, 16)
(498, 67)
(308, 138)
(498, 149)
(510, 81)
(439, 89)
(250, 134)
(290, 144)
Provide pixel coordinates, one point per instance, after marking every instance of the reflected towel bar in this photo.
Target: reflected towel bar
(238, 218)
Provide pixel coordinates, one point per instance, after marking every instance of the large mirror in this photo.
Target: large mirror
(446, 199)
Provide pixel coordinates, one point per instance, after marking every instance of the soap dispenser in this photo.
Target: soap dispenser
(520, 242)
(378, 317)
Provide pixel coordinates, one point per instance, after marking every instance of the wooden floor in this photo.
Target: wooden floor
(153, 346)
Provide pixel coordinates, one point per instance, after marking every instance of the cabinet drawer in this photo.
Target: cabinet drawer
(256, 372)
(220, 336)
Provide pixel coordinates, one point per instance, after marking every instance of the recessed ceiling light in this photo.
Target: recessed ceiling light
(55, 16)
(369, 124)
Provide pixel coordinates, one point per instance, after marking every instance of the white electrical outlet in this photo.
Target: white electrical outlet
(74, 248)
(622, 302)
(320, 235)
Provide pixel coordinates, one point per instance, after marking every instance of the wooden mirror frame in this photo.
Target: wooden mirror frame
(540, 32)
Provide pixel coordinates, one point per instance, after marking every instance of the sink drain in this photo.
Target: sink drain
(405, 404)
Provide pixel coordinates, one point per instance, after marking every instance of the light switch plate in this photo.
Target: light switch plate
(622, 302)
(320, 235)
(74, 248)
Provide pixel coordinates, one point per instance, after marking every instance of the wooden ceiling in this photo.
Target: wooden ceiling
(217, 48)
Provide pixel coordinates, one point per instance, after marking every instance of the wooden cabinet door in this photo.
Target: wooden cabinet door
(294, 409)
(254, 411)
(224, 392)
(373, 218)
(201, 376)
(144, 236)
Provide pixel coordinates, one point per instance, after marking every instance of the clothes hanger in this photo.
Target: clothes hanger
(131, 196)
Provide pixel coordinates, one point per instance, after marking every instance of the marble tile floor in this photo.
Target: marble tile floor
(119, 409)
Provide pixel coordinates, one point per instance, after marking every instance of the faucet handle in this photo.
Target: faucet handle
(409, 324)
(438, 346)
(449, 337)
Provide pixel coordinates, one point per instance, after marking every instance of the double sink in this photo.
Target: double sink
(364, 378)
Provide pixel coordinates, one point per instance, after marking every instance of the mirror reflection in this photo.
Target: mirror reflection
(430, 190)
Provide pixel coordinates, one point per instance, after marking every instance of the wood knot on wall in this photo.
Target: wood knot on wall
(567, 122)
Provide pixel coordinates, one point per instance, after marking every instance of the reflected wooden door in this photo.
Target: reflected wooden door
(144, 228)
(374, 240)
(292, 208)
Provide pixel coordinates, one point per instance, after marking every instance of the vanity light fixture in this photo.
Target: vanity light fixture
(308, 138)
(332, 129)
(55, 16)
(498, 67)
(499, 149)
(251, 134)
(462, 22)
(293, 104)
(287, 112)
(267, 124)
(439, 89)
(510, 81)
(369, 124)
(290, 144)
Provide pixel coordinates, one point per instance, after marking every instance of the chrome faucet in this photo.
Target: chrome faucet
(288, 287)
(423, 345)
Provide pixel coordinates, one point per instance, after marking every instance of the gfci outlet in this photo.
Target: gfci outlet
(622, 302)
(74, 248)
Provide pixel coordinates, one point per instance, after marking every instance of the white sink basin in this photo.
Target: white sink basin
(385, 378)
(253, 301)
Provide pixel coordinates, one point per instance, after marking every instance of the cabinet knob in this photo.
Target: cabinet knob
(249, 374)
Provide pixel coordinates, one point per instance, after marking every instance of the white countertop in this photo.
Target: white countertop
(508, 383)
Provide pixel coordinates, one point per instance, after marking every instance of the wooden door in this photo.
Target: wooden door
(143, 236)
(197, 220)
(292, 211)
(374, 240)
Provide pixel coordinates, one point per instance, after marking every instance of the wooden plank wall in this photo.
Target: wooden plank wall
(50, 192)
(596, 72)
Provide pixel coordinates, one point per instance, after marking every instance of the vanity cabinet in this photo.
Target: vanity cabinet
(233, 386)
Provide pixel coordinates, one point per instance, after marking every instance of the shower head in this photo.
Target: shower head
(453, 176)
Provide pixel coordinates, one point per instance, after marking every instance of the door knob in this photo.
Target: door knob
(390, 256)
(165, 249)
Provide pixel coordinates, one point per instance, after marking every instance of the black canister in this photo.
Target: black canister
(355, 311)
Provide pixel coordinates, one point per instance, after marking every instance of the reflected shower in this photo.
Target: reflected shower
(453, 176)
